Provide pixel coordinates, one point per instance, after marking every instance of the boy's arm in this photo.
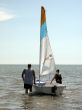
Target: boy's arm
(52, 79)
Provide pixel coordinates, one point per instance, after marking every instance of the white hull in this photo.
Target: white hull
(48, 88)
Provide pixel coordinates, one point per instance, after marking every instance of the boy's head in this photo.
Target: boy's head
(57, 70)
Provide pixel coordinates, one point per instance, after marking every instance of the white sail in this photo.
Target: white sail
(47, 63)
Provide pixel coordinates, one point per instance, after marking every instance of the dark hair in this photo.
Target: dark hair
(57, 70)
(29, 65)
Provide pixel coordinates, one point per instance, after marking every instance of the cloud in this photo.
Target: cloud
(4, 16)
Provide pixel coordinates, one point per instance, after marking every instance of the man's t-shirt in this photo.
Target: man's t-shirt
(28, 76)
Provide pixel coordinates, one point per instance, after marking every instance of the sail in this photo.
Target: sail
(47, 63)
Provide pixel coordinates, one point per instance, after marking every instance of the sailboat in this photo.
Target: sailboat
(47, 67)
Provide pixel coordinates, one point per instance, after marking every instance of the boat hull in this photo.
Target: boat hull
(47, 88)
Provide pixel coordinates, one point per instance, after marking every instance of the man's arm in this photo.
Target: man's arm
(23, 73)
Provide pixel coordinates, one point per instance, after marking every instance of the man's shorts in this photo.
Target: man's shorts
(27, 86)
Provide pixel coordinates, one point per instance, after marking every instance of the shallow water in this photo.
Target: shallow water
(12, 96)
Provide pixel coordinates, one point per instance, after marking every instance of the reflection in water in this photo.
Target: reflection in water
(40, 102)
(27, 102)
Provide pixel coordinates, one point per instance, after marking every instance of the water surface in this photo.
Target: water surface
(12, 96)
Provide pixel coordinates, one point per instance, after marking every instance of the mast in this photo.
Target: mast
(39, 57)
(43, 19)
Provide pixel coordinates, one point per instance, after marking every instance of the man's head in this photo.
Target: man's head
(29, 66)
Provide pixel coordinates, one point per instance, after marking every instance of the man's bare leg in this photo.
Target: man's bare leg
(26, 91)
(30, 89)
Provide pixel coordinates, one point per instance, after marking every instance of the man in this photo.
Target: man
(57, 77)
(28, 77)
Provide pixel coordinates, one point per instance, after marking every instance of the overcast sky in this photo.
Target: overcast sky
(20, 30)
